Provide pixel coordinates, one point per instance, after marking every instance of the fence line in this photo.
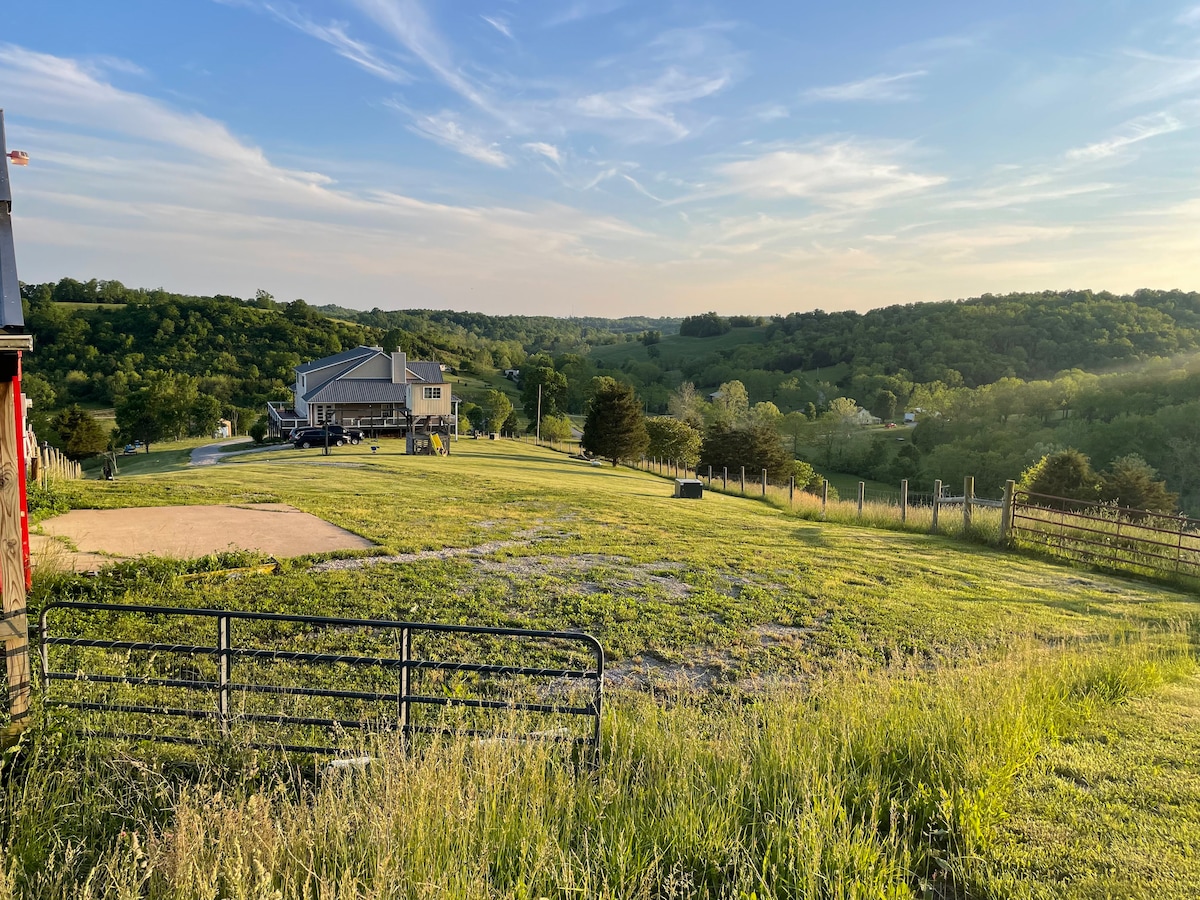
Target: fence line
(49, 464)
(901, 509)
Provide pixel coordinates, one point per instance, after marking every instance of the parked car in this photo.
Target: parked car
(304, 438)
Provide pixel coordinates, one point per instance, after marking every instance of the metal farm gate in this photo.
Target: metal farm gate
(1130, 540)
(311, 684)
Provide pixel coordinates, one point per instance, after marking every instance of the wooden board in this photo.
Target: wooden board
(12, 563)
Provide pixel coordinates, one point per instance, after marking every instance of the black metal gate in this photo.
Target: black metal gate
(309, 683)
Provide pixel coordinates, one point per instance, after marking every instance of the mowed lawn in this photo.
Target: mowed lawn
(836, 711)
(729, 587)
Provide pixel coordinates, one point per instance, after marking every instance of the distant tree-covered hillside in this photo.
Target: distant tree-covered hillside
(989, 338)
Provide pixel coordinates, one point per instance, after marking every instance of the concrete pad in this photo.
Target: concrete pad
(103, 536)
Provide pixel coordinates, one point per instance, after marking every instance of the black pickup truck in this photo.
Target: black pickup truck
(304, 438)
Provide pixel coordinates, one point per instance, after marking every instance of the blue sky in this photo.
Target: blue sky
(600, 157)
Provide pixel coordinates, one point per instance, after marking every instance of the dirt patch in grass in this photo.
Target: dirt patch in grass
(84, 539)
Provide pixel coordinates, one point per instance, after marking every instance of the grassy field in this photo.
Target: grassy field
(799, 708)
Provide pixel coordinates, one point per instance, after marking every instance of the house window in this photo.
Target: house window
(324, 414)
(432, 393)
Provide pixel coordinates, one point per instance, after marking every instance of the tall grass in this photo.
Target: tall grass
(873, 784)
(983, 529)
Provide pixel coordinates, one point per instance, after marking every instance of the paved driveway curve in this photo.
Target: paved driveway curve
(210, 454)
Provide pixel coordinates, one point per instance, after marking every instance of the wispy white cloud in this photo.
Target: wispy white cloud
(131, 179)
(654, 102)
(582, 9)
(500, 25)
(845, 174)
(1022, 192)
(407, 22)
(334, 34)
(1154, 77)
(445, 129)
(771, 112)
(1190, 17)
(1132, 132)
(637, 186)
(875, 88)
(113, 64)
(547, 150)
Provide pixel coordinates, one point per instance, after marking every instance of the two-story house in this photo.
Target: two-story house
(370, 389)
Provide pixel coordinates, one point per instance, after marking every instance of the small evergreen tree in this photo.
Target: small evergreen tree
(1129, 482)
(1066, 474)
(82, 436)
(615, 428)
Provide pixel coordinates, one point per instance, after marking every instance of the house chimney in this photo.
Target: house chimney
(399, 368)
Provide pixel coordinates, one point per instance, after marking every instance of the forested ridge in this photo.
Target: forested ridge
(1000, 379)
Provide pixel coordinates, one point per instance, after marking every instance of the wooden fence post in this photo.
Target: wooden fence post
(743, 482)
(824, 495)
(903, 500)
(14, 626)
(724, 477)
(764, 483)
(792, 494)
(1006, 511)
(937, 505)
(862, 495)
(710, 476)
(968, 496)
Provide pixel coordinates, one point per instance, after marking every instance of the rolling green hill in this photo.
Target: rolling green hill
(793, 706)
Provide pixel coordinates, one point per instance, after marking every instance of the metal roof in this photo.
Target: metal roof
(358, 354)
(428, 372)
(358, 390)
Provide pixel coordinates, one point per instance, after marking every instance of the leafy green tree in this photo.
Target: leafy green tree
(615, 428)
(731, 404)
(510, 423)
(1130, 482)
(673, 440)
(496, 409)
(553, 386)
(885, 405)
(756, 447)
(764, 413)
(686, 405)
(82, 437)
(1066, 474)
(151, 413)
(258, 431)
(203, 416)
(556, 428)
(707, 324)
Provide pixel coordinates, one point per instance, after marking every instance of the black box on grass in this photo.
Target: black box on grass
(689, 488)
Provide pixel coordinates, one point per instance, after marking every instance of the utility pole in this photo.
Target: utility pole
(14, 520)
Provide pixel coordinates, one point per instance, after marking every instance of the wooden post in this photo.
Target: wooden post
(791, 490)
(824, 495)
(14, 626)
(1006, 512)
(724, 477)
(968, 496)
(862, 494)
(709, 476)
(764, 483)
(903, 500)
(937, 504)
(743, 482)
